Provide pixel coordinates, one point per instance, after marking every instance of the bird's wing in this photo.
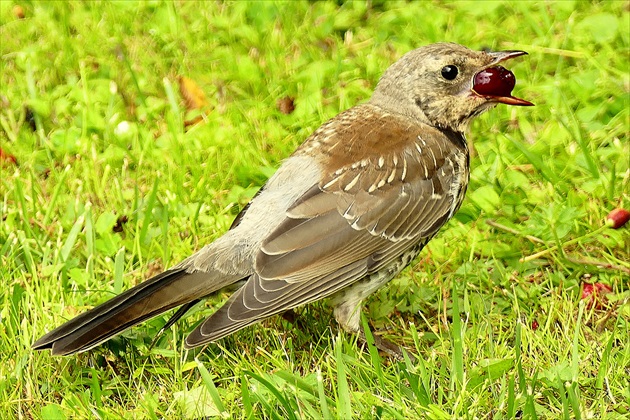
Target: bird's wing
(397, 187)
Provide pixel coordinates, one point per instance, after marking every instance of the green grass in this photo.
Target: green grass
(91, 111)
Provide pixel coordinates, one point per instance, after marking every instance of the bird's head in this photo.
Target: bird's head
(446, 85)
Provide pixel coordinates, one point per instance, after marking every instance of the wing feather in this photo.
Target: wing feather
(375, 203)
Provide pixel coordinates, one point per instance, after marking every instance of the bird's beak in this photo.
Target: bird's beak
(495, 83)
(500, 56)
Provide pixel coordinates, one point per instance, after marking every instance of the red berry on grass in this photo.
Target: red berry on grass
(618, 218)
(594, 293)
(494, 81)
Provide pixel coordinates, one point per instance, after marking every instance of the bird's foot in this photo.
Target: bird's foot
(385, 346)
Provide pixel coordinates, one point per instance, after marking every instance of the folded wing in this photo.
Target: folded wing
(395, 193)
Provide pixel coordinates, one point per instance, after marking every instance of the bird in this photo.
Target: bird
(344, 214)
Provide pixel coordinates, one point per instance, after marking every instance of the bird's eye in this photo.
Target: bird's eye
(449, 72)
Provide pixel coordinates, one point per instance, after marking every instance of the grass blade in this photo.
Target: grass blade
(457, 378)
(535, 160)
(344, 410)
(323, 400)
(374, 356)
(283, 401)
(72, 238)
(119, 270)
(148, 211)
(212, 389)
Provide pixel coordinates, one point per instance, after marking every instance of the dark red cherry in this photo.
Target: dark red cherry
(617, 218)
(494, 81)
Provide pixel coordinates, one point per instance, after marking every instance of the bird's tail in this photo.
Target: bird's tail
(165, 291)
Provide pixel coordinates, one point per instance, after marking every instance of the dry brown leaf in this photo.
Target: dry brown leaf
(7, 157)
(192, 94)
(18, 11)
(192, 121)
(286, 105)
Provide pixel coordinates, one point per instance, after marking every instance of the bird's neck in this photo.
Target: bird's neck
(415, 115)
(398, 106)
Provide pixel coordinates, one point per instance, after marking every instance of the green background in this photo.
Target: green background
(110, 188)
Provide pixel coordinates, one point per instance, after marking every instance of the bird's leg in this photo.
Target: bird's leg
(293, 318)
(384, 345)
(347, 309)
(173, 319)
(290, 316)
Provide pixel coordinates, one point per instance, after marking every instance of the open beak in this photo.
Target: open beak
(495, 83)
(500, 56)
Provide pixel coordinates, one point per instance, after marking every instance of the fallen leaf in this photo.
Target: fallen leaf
(286, 105)
(7, 157)
(192, 94)
(153, 269)
(18, 11)
(193, 121)
(29, 117)
(118, 227)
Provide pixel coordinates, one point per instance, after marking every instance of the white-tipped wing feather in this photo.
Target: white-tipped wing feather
(353, 222)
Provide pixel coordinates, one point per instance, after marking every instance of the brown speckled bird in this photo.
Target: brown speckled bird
(344, 214)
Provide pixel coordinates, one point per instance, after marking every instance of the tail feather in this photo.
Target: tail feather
(165, 291)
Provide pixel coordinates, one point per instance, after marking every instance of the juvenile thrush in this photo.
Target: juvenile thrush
(346, 212)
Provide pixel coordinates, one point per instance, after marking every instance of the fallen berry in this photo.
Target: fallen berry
(617, 218)
(594, 293)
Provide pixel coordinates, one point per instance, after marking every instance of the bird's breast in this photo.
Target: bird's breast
(459, 181)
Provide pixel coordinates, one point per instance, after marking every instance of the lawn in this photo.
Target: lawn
(132, 133)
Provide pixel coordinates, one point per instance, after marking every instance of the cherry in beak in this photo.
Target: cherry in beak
(495, 83)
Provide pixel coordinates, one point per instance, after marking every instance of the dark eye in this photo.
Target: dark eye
(449, 72)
